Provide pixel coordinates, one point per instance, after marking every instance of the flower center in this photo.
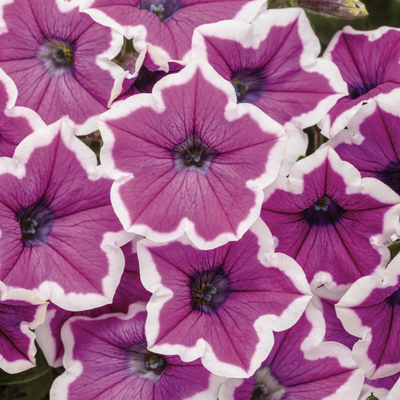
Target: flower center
(57, 56)
(35, 222)
(62, 55)
(391, 176)
(266, 386)
(142, 362)
(156, 362)
(356, 91)
(248, 84)
(260, 391)
(193, 154)
(163, 9)
(241, 88)
(209, 289)
(324, 211)
(394, 299)
(322, 203)
(158, 10)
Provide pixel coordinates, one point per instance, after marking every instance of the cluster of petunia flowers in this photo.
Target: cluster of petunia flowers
(199, 259)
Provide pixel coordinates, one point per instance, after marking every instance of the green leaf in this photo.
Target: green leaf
(394, 249)
(33, 384)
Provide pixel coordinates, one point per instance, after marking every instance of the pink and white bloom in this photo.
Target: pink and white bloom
(223, 304)
(59, 59)
(188, 159)
(59, 236)
(332, 222)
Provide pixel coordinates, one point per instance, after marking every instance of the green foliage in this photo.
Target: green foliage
(33, 384)
(394, 249)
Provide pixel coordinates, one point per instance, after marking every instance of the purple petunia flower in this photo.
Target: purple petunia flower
(20, 312)
(222, 304)
(332, 222)
(107, 358)
(59, 236)
(369, 64)
(15, 122)
(370, 310)
(272, 63)
(371, 143)
(187, 158)
(59, 59)
(301, 367)
(129, 290)
(167, 24)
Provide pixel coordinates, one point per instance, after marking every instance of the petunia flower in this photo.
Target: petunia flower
(15, 122)
(370, 310)
(371, 143)
(222, 304)
(129, 290)
(273, 63)
(59, 236)
(332, 222)
(107, 358)
(167, 24)
(188, 159)
(59, 59)
(301, 366)
(369, 64)
(20, 312)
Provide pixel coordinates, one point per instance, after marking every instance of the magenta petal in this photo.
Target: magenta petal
(20, 312)
(15, 122)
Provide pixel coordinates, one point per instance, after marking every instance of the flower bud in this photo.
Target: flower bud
(350, 9)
